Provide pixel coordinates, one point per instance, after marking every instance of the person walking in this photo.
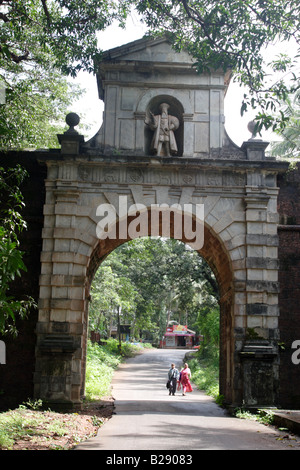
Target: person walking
(185, 376)
(173, 376)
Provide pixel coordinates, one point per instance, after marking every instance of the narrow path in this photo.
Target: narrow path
(147, 418)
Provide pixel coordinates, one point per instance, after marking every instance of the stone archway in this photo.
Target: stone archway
(240, 245)
(236, 187)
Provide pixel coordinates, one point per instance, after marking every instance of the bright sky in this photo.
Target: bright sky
(90, 108)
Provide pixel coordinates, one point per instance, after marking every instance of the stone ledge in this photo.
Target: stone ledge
(289, 419)
(58, 344)
(156, 162)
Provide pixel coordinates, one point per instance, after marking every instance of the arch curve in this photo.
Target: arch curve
(218, 259)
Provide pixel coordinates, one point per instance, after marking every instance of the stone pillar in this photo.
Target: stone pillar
(259, 352)
(59, 350)
(62, 302)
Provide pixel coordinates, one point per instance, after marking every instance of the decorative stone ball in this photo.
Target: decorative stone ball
(251, 127)
(72, 119)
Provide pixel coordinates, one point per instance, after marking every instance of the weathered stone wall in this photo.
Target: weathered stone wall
(16, 376)
(289, 278)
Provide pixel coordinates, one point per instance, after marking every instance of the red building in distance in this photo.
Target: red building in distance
(179, 337)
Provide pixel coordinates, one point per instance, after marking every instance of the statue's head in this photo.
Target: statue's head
(164, 107)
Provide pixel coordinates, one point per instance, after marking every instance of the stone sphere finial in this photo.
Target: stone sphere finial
(72, 119)
(251, 128)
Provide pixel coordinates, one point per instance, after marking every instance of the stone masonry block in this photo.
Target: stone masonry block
(240, 275)
(262, 286)
(238, 264)
(271, 240)
(45, 292)
(75, 316)
(61, 269)
(240, 322)
(262, 263)
(67, 304)
(60, 292)
(255, 228)
(237, 241)
(254, 321)
(65, 209)
(270, 322)
(238, 253)
(256, 216)
(62, 245)
(239, 310)
(256, 309)
(70, 257)
(255, 275)
(67, 280)
(240, 298)
(58, 315)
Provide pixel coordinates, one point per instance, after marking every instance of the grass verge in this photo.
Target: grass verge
(28, 427)
(205, 374)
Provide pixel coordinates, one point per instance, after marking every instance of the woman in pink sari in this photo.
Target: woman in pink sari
(185, 375)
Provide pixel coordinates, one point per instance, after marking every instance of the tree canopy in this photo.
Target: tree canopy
(288, 146)
(11, 262)
(37, 95)
(65, 29)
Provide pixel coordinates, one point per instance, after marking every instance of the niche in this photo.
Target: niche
(175, 109)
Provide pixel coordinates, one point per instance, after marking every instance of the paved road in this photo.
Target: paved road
(147, 418)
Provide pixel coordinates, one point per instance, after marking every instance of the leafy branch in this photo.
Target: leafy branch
(11, 257)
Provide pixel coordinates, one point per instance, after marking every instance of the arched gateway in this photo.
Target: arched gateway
(162, 142)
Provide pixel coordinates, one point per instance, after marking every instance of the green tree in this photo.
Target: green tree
(37, 95)
(289, 145)
(37, 101)
(11, 262)
(34, 29)
(208, 322)
(161, 282)
(112, 294)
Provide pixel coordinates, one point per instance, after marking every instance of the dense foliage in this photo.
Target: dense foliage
(288, 146)
(37, 95)
(34, 29)
(11, 262)
(149, 282)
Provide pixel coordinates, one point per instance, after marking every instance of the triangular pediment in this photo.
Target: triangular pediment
(147, 49)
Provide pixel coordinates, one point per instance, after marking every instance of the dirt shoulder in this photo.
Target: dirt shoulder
(49, 430)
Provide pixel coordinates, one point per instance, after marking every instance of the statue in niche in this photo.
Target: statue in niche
(163, 125)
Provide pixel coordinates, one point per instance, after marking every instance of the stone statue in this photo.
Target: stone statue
(163, 125)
